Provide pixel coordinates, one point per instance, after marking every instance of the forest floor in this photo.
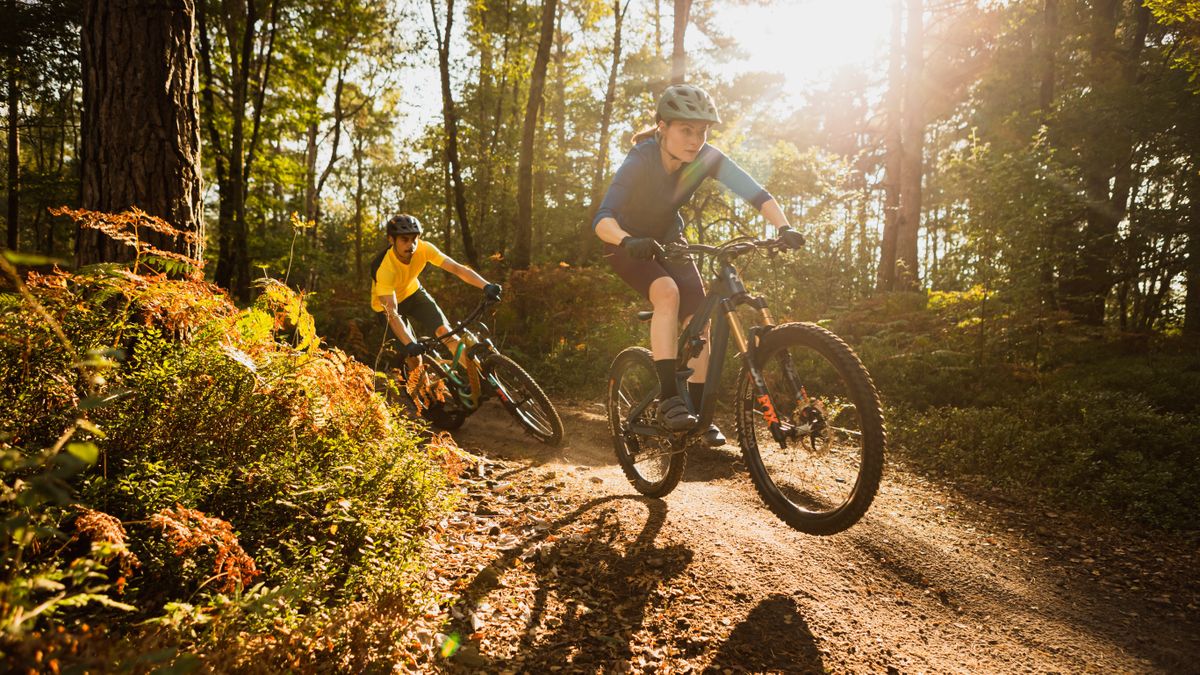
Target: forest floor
(552, 563)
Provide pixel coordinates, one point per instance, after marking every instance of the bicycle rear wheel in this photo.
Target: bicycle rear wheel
(650, 463)
(824, 474)
(524, 399)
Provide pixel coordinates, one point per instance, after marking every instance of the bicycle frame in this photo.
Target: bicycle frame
(724, 297)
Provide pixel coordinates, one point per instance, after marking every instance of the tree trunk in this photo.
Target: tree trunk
(524, 225)
(1191, 299)
(338, 115)
(658, 29)
(1107, 166)
(683, 9)
(239, 21)
(14, 146)
(358, 205)
(485, 192)
(588, 243)
(450, 119)
(141, 128)
(913, 145)
(892, 155)
(1049, 48)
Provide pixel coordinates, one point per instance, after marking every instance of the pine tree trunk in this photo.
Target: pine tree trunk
(141, 128)
(683, 9)
(1191, 299)
(588, 242)
(14, 148)
(524, 225)
(913, 144)
(240, 25)
(358, 206)
(450, 120)
(1049, 48)
(892, 162)
(1108, 161)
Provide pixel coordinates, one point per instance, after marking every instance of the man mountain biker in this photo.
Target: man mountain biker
(659, 175)
(396, 290)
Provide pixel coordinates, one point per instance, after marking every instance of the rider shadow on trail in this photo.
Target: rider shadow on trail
(774, 637)
(593, 588)
(706, 464)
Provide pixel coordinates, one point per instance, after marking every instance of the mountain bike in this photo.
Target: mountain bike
(462, 369)
(809, 421)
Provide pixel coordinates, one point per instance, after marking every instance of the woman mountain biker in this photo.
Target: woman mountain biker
(396, 290)
(641, 208)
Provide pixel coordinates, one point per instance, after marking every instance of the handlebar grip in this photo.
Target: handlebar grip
(791, 238)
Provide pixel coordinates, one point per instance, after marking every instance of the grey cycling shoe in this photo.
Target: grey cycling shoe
(674, 415)
(713, 436)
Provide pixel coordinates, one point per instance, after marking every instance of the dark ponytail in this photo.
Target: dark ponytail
(642, 135)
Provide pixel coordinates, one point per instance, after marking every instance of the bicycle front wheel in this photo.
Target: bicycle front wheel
(524, 399)
(821, 473)
(650, 463)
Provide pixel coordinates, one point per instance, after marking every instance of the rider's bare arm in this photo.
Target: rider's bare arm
(463, 272)
(774, 214)
(389, 309)
(610, 232)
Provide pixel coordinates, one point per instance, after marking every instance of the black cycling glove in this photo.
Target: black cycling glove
(414, 349)
(492, 292)
(640, 248)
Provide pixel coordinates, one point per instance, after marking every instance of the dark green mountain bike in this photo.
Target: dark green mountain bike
(459, 381)
(808, 416)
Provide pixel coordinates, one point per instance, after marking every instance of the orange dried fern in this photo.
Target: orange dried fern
(107, 534)
(129, 228)
(189, 529)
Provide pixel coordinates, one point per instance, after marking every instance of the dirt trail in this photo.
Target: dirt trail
(554, 564)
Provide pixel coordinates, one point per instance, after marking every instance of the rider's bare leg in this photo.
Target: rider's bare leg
(664, 325)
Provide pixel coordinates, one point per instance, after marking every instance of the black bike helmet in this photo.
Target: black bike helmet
(402, 224)
(687, 102)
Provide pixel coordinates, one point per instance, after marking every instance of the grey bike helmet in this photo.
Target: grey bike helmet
(402, 224)
(687, 102)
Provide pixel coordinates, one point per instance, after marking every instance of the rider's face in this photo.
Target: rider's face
(684, 138)
(404, 245)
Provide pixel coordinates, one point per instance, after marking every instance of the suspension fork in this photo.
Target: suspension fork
(748, 347)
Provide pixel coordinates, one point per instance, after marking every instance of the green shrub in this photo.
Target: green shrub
(232, 430)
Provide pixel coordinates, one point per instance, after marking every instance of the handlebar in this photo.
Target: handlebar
(788, 239)
(462, 325)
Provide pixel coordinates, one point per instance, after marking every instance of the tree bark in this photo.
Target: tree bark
(339, 115)
(892, 155)
(683, 9)
(485, 192)
(600, 172)
(450, 120)
(524, 226)
(238, 22)
(1107, 166)
(359, 190)
(1191, 298)
(1049, 49)
(913, 144)
(141, 128)
(14, 147)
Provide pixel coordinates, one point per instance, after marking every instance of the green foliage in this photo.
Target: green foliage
(234, 447)
(1036, 406)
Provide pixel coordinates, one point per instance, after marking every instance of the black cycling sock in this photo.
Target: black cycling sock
(666, 378)
(696, 393)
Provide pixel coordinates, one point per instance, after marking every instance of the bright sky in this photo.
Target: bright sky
(805, 40)
(808, 40)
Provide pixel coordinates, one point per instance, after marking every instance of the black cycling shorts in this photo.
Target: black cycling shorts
(421, 309)
(641, 273)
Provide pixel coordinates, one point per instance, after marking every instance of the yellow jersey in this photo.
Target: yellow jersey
(393, 276)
